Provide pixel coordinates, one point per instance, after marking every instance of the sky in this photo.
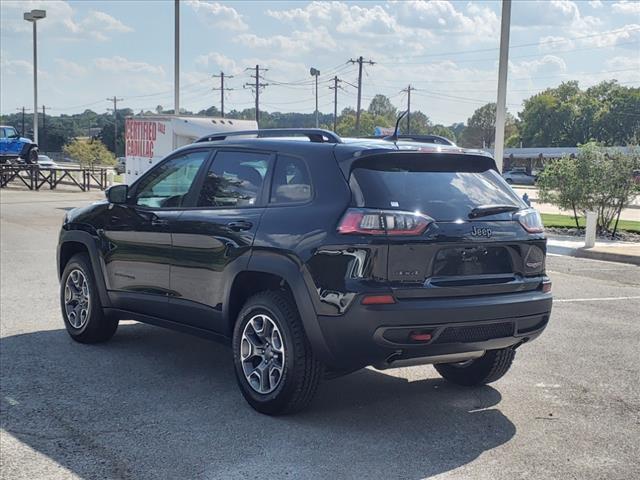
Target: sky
(447, 50)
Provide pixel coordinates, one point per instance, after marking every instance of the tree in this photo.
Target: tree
(443, 132)
(566, 116)
(381, 106)
(481, 127)
(596, 180)
(89, 152)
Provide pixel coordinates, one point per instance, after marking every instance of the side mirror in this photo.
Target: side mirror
(117, 193)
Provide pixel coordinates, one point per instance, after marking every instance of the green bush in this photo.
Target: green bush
(596, 179)
(89, 152)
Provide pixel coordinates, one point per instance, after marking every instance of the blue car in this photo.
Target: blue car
(14, 147)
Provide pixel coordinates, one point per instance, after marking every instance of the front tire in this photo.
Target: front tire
(82, 312)
(486, 369)
(275, 367)
(32, 156)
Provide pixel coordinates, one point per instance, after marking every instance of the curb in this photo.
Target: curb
(606, 256)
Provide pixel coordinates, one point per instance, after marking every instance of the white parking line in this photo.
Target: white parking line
(601, 299)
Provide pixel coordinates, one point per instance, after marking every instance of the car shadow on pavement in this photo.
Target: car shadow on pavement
(157, 404)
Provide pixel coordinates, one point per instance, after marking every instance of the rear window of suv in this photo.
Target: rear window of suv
(444, 195)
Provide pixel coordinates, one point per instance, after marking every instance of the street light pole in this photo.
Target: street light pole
(503, 67)
(315, 73)
(33, 16)
(176, 59)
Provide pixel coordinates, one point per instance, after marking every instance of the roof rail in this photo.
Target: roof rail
(318, 135)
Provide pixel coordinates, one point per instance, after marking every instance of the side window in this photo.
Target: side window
(168, 184)
(2, 133)
(234, 179)
(291, 182)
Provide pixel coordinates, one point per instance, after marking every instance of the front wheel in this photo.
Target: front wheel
(275, 367)
(32, 156)
(486, 369)
(81, 309)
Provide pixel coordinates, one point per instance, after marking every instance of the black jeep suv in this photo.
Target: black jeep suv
(313, 255)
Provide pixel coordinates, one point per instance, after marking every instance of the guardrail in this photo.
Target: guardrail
(35, 177)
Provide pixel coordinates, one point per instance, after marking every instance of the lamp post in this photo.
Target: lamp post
(33, 16)
(315, 73)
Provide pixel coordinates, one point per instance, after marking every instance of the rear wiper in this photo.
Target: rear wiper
(484, 210)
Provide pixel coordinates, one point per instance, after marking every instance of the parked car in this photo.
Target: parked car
(519, 177)
(45, 162)
(313, 257)
(16, 149)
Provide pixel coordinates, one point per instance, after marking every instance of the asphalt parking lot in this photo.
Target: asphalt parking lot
(157, 404)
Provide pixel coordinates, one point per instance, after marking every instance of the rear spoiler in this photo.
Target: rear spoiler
(449, 160)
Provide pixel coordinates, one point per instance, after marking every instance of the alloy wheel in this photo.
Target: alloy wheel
(77, 298)
(262, 354)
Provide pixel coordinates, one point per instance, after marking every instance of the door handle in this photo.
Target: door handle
(239, 225)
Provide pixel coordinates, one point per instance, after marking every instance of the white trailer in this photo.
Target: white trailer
(150, 138)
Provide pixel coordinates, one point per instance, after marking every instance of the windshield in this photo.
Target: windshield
(444, 196)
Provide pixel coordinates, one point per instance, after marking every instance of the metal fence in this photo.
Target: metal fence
(34, 177)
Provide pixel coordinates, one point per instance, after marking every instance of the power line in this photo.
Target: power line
(335, 88)
(115, 101)
(256, 88)
(523, 45)
(23, 109)
(222, 90)
(408, 90)
(360, 61)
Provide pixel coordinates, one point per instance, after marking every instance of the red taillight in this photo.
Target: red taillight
(378, 300)
(380, 222)
(546, 286)
(531, 221)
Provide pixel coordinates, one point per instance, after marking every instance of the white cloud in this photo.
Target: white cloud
(118, 64)
(71, 69)
(219, 15)
(551, 43)
(626, 8)
(554, 13)
(295, 44)
(62, 20)
(595, 3)
(547, 65)
(623, 35)
(105, 22)
(219, 61)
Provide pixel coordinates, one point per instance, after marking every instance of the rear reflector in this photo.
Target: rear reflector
(378, 300)
(420, 336)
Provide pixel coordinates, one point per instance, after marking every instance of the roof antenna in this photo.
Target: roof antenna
(394, 137)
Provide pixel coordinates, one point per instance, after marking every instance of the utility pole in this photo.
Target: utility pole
(115, 101)
(23, 109)
(335, 102)
(44, 134)
(258, 85)
(408, 92)
(503, 66)
(222, 89)
(360, 61)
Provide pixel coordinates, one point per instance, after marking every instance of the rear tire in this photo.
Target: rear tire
(268, 337)
(486, 369)
(82, 312)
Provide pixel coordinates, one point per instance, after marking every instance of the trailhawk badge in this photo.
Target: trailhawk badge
(481, 232)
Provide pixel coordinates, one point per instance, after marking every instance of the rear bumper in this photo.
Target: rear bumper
(379, 334)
